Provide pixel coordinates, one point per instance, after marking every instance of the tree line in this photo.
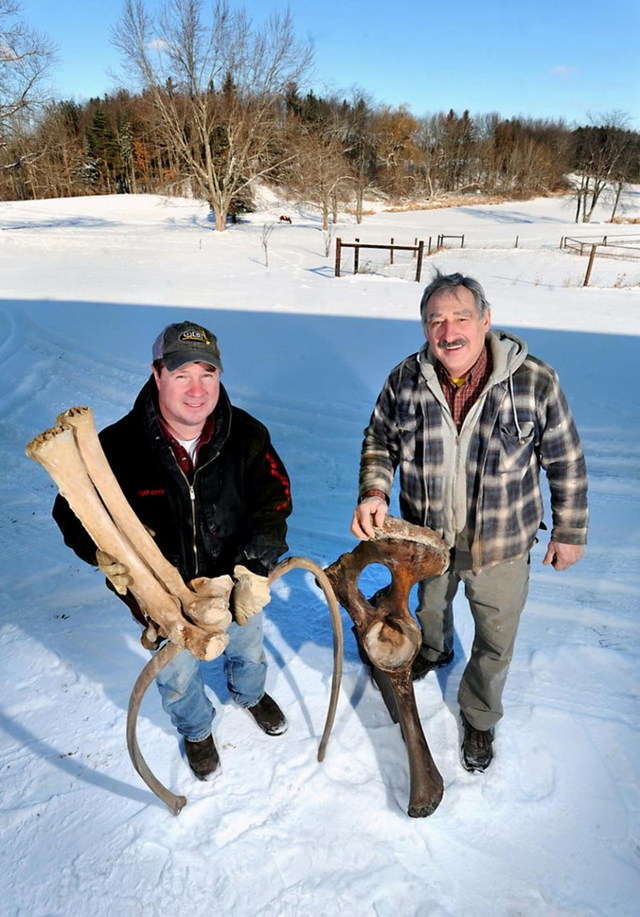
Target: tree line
(214, 104)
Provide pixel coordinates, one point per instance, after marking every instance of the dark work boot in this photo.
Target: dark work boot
(421, 666)
(477, 750)
(268, 716)
(202, 757)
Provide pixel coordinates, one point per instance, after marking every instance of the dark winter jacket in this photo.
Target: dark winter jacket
(234, 511)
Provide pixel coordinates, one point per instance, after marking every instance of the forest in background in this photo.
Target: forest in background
(222, 104)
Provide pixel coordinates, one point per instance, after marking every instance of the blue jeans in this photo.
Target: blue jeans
(182, 688)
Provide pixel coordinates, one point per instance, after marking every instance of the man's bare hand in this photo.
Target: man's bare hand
(562, 556)
(369, 513)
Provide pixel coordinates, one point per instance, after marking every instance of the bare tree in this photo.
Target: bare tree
(319, 172)
(397, 157)
(328, 235)
(600, 156)
(26, 58)
(215, 84)
(359, 141)
(427, 141)
(626, 171)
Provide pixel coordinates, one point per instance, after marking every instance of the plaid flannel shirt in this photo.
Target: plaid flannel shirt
(524, 424)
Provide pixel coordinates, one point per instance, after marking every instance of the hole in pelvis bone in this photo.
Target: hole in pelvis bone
(373, 578)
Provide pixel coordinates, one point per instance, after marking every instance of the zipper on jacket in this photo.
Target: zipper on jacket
(194, 533)
(456, 487)
(192, 498)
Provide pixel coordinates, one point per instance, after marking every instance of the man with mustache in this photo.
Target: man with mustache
(468, 422)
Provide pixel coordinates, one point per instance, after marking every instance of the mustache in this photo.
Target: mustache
(449, 345)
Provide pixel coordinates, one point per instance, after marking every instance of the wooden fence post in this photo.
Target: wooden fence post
(391, 253)
(338, 251)
(356, 257)
(419, 262)
(592, 258)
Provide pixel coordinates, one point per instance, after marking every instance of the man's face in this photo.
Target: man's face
(187, 396)
(455, 330)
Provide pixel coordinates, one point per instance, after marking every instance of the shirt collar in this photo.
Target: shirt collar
(477, 371)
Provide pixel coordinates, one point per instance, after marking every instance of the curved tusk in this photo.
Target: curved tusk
(170, 650)
(291, 563)
(146, 676)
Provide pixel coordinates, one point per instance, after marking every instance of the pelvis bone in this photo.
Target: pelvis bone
(390, 637)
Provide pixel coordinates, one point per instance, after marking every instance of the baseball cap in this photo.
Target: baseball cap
(186, 342)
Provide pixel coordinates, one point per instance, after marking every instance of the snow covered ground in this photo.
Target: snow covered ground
(551, 829)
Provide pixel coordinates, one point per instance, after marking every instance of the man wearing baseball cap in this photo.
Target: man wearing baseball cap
(204, 478)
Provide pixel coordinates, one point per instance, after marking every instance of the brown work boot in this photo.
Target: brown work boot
(202, 757)
(477, 750)
(268, 716)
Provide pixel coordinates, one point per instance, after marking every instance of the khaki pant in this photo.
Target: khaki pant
(496, 597)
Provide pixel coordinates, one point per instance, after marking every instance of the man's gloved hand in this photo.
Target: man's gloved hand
(250, 594)
(117, 573)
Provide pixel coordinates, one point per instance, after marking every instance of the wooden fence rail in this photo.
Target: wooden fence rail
(603, 247)
(417, 249)
(442, 237)
(616, 246)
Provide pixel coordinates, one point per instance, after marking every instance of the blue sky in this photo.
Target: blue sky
(564, 59)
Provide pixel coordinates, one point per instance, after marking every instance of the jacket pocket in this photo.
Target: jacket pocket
(516, 448)
(407, 428)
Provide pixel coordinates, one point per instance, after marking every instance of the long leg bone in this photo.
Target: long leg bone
(57, 451)
(390, 636)
(80, 419)
(194, 604)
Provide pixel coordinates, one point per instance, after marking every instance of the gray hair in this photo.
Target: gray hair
(450, 283)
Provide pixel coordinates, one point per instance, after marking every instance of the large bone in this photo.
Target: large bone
(58, 453)
(390, 636)
(196, 605)
(80, 419)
